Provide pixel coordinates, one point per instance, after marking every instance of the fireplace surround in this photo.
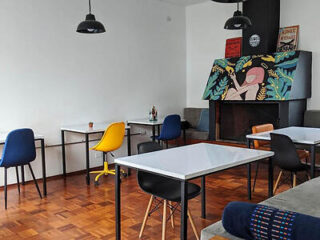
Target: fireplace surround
(257, 89)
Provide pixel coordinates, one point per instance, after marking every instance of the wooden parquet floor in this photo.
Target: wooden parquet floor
(74, 211)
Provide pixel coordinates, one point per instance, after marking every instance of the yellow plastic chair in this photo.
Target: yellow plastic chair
(111, 140)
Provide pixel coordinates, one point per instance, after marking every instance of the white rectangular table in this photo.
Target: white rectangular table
(85, 130)
(186, 163)
(157, 123)
(37, 137)
(299, 135)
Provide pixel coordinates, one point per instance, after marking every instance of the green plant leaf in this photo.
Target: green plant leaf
(241, 62)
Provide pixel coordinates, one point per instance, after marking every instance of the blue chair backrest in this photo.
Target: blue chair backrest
(19, 148)
(171, 128)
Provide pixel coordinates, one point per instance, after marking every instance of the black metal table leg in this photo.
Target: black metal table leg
(313, 160)
(184, 136)
(153, 133)
(129, 147)
(22, 175)
(118, 202)
(249, 173)
(203, 197)
(270, 178)
(44, 174)
(249, 180)
(63, 154)
(87, 160)
(184, 210)
(159, 133)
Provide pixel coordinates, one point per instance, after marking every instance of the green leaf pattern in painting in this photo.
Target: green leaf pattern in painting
(211, 83)
(278, 89)
(288, 64)
(222, 63)
(242, 61)
(219, 89)
(285, 75)
(280, 56)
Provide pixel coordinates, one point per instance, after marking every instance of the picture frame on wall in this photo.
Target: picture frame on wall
(288, 39)
(233, 47)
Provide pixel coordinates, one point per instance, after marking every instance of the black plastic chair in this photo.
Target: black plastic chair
(163, 190)
(286, 157)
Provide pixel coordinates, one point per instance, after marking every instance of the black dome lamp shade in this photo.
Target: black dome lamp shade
(90, 25)
(238, 21)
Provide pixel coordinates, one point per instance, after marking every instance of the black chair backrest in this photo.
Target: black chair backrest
(286, 156)
(147, 180)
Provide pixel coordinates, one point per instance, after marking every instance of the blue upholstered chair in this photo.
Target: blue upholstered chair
(19, 150)
(171, 128)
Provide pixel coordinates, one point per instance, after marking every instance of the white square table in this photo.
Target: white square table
(157, 123)
(85, 130)
(37, 137)
(299, 135)
(186, 163)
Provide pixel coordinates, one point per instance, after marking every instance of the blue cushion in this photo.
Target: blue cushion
(203, 124)
(253, 222)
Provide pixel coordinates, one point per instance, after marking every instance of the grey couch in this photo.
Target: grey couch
(192, 116)
(302, 199)
(312, 118)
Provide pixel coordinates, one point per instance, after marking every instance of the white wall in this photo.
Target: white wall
(206, 41)
(52, 76)
(306, 14)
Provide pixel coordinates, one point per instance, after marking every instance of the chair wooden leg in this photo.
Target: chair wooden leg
(294, 179)
(171, 214)
(277, 182)
(164, 220)
(5, 188)
(146, 216)
(35, 180)
(17, 173)
(193, 225)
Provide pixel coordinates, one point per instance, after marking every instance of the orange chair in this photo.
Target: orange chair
(112, 140)
(265, 145)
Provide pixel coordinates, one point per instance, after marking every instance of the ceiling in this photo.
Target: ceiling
(184, 2)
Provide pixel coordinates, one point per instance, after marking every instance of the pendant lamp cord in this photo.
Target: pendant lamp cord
(237, 6)
(90, 6)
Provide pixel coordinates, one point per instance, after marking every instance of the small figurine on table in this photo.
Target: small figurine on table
(153, 114)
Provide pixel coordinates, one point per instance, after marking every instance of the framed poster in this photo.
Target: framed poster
(288, 39)
(233, 47)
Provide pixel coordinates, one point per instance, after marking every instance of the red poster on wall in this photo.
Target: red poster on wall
(233, 47)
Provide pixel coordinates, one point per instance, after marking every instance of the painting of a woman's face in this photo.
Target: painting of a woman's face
(251, 78)
(254, 76)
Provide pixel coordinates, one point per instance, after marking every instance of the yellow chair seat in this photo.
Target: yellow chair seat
(111, 140)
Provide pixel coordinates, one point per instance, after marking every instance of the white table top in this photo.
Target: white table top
(84, 128)
(146, 121)
(193, 161)
(302, 135)
(3, 136)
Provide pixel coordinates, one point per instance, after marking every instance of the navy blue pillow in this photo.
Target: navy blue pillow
(255, 222)
(203, 124)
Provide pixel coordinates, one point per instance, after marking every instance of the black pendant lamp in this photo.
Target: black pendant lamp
(229, 1)
(238, 21)
(90, 25)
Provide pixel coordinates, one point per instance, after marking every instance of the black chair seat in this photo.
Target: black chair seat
(169, 189)
(302, 167)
